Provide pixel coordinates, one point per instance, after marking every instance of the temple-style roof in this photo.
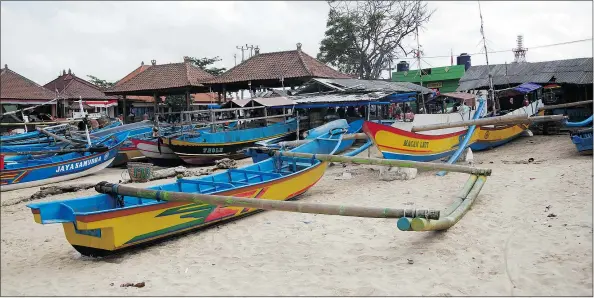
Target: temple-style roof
(69, 86)
(15, 88)
(172, 78)
(268, 69)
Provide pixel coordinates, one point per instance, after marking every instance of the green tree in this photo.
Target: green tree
(103, 84)
(176, 102)
(204, 63)
(363, 37)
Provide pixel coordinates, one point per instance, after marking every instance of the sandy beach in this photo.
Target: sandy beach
(529, 233)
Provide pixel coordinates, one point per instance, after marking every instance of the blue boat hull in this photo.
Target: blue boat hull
(582, 141)
(39, 171)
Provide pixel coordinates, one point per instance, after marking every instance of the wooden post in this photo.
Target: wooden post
(125, 108)
(388, 162)
(290, 206)
(156, 108)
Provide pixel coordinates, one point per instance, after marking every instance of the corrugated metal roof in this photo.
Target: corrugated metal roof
(339, 98)
(273, 101)
(571, 71)
(356, 85)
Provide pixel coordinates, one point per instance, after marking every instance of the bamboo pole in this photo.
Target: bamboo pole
(567, 105)
(389, 162)
(404, 223)
(57, 137)
(515, 119)
(229, 201)
(294, 143)
(92, 150)
(355, 136)
(444, 223)
(39, 123)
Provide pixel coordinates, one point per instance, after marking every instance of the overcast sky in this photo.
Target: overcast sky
(110, 39)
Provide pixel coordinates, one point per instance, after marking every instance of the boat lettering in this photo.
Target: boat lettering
(416, 144)
(76, 165)
(212, 150)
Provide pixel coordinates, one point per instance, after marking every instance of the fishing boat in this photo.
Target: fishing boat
(153, 148)
(491, 136)
(128, 151)
(583, 140)
(333, 131)
(206, 147)
(29, 171)
(102, 224)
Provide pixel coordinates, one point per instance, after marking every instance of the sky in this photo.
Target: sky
(111, 39)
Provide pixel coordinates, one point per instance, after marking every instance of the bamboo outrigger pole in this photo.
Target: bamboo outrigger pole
(91, 149)
(567, 105)
(73, 142)
(355, 136)
(229, 201)
(501, 120)
(388, 162)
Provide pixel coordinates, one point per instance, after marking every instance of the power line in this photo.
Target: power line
(504, 51)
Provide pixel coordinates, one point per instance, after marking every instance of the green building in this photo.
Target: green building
(442, 79)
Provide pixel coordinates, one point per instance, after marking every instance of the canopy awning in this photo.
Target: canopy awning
(102, 103)
(527, 87)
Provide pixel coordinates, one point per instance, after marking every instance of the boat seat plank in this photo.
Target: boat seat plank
(271, 174)
(202, 182)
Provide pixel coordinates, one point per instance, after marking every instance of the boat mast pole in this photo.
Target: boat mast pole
(85, 122)
(419, 58)
(490, 94)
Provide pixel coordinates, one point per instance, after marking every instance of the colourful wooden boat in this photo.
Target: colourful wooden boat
(155, 150)
(583, 140)
(101, 224)
(395, 143)
(34, 171)
(333, 132)
(491, 136)
(128, 151)
(210, 146)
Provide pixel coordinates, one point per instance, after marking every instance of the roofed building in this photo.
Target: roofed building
(273, 70)
(71, 88)
(17, 92)
(160, 80)
(563, 81)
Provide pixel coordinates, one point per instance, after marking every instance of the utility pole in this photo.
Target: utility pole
(235, 57)
(251, 48)
(419, 62)
(242, 49)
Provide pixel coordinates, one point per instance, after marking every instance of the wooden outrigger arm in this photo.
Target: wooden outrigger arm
(387, 162)
(501, 120)
(229, 201)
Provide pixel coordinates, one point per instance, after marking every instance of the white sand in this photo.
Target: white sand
(506, 245)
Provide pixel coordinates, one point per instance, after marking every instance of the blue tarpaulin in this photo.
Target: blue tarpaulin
(213, 106)
(527, 87)
(402, 97)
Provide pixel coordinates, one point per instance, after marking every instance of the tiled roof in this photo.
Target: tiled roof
(571, 71)
(70, 86)
(277, 65)
(164, 76)
(15, 86)
(134, 73)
